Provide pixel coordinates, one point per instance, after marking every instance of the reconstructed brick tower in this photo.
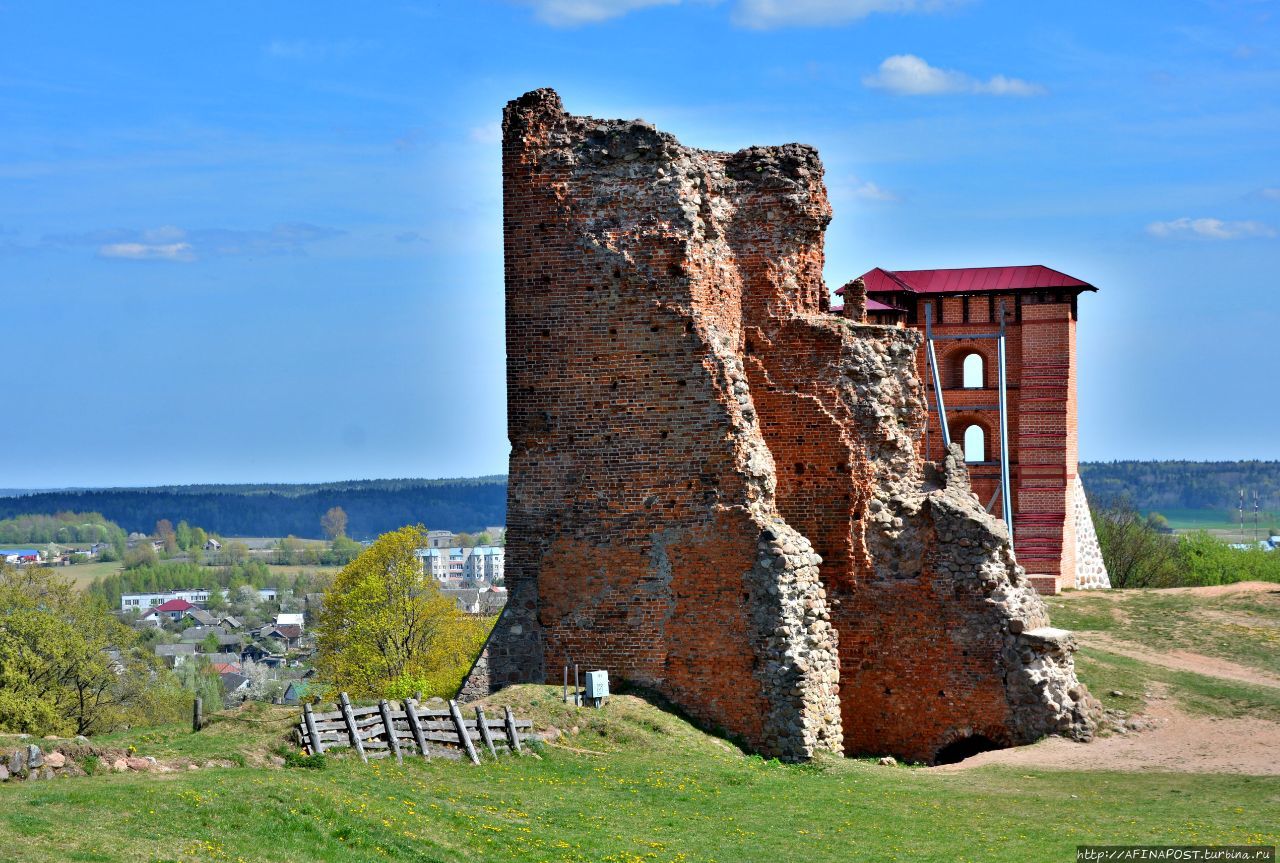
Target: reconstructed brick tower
(1053, 532)
(716, 489)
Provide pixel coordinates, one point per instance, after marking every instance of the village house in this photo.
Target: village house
(289, 633)
(197, 634)
(485, 602)
(235, 686)
(173, 609)
(20, 556)
(175, 654)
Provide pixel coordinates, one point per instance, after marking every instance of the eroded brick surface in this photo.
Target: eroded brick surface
(715, 488)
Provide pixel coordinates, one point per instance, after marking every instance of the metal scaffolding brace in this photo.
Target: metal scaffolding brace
(1006, 499)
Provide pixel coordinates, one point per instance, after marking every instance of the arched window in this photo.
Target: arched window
(975, 444)
(973, 372)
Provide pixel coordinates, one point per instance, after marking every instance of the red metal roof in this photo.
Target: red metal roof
(174, 605)
(969, 280)
(877, 306)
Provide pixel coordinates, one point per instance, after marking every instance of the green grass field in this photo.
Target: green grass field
(1222, 524)
(662, 792)
(1243, 626)
(639, 784)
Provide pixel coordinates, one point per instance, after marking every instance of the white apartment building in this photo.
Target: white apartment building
(194, 595)
(480, 563)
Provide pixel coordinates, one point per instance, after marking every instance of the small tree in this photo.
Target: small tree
(1136, 552)
(334, 523)
(386, 630)
(287, 550)
(237, 552)
(166, 534)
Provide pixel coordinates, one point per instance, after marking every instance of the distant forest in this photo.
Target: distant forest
(372, 506)
(377, 506)
(1175, 485)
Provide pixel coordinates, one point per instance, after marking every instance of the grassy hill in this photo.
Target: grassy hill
(635, 782)
(662, 791)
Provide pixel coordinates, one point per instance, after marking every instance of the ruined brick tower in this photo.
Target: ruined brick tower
(1053, 532)
(716, 487)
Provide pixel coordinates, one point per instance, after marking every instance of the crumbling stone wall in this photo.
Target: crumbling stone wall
(715, 488)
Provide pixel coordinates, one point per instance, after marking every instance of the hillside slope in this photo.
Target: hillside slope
(634, 783)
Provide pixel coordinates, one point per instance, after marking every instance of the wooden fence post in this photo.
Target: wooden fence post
(392, 740)
(484, 732)
(344, 704)
(317, 748)
(197, 714)
(513, 736)
(411, 713)
(463, 737)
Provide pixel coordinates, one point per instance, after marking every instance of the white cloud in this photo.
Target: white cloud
(869, 191)
(755, 14)
(909, 75)
(999, 85)
(170, 243)
(572, 13)
(1271, 194)
(148, 251)
(1209, 229)
(767, 14)
(489, 133)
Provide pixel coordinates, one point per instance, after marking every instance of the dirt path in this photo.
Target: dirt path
(1214, 590)
(1180, 660)
(1180, 743)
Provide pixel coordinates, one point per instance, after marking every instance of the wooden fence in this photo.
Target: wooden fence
(387, 730)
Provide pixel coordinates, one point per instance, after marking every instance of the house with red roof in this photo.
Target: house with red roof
(173, 609)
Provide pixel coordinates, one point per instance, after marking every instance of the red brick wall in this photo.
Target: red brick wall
(1041, 372)
(689, 425)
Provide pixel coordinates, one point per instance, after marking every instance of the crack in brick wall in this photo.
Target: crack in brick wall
(715, 489)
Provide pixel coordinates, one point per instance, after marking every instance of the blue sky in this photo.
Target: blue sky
(262, 241)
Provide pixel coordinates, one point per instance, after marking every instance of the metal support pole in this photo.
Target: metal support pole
(1006, 501)
(933, 371)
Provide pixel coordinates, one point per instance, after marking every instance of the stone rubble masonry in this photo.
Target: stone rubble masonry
(716, 490)
(1091, 572)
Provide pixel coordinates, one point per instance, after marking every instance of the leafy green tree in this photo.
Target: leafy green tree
(342, 551)
(288, 550)
(200, 679)
(183, 534)
(210, 643)
(140, 555)
(236, 552)
(386, 630)
(67, 666)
